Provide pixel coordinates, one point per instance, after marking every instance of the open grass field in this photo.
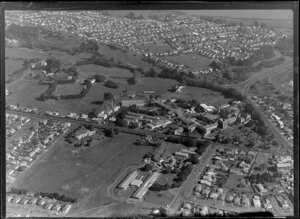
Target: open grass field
(12, 65)
(158, 47)
(201, 94)
(110, 210)
(87, 175)
(283, 82)
(125, 57)
(66, 89)
(91, 70)
(25, 53)
(161, 198)
(193, 61)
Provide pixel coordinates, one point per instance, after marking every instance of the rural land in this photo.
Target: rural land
(140, 113)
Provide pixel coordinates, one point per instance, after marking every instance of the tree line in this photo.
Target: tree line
(53, 195)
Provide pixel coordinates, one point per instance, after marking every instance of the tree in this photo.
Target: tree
(228, 74)
(163, 212)
(100, 78)
(53, 65)
(167, 170)
(149, 155)
(116, 130)
(194, 158)
(108, 96)
(133, 125)
(190, 142)
(112, 84)
(109, 132)
(256, 23)
(152, 73)
(120, 122)
(148, 167)
(261, 130)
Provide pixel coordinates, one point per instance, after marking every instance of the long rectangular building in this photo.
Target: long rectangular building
(133, 102)
(130, 177)
(139, 194)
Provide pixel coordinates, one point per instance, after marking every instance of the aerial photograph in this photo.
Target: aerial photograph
(166, 113)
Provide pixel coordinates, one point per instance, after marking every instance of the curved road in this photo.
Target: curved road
(244, 86)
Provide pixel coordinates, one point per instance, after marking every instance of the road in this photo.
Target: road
(86, 122)
(273, 129)
(245, 85)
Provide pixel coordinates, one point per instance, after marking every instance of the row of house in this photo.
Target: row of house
(46, 203)
(22, 151)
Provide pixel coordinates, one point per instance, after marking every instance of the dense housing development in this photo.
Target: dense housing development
(137, 114)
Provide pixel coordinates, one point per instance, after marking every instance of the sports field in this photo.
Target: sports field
(87, 175)
(66, 89)
(193, 61)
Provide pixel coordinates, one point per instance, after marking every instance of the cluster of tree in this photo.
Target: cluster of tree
(135, 109)
(108, 96)
(44, 194)
(53, 65)
(147, 167)
(72, 70)
(171, 73)
(136, 77)
(185, 171)
(156, 187)
(99, 78)
(89, 46)
(259, 122)
(18, 191)
(56, 196)
(151, 73)
(110, 132)
(189, 142)
(112, 84)
(187, 103)
(218, 65)
(82, 94)
(194, 158)
(48, 94)
(265, 177)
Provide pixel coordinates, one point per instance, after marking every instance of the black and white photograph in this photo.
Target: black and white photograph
(150, 111)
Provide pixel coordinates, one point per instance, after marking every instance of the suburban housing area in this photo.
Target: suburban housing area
(163, 113)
